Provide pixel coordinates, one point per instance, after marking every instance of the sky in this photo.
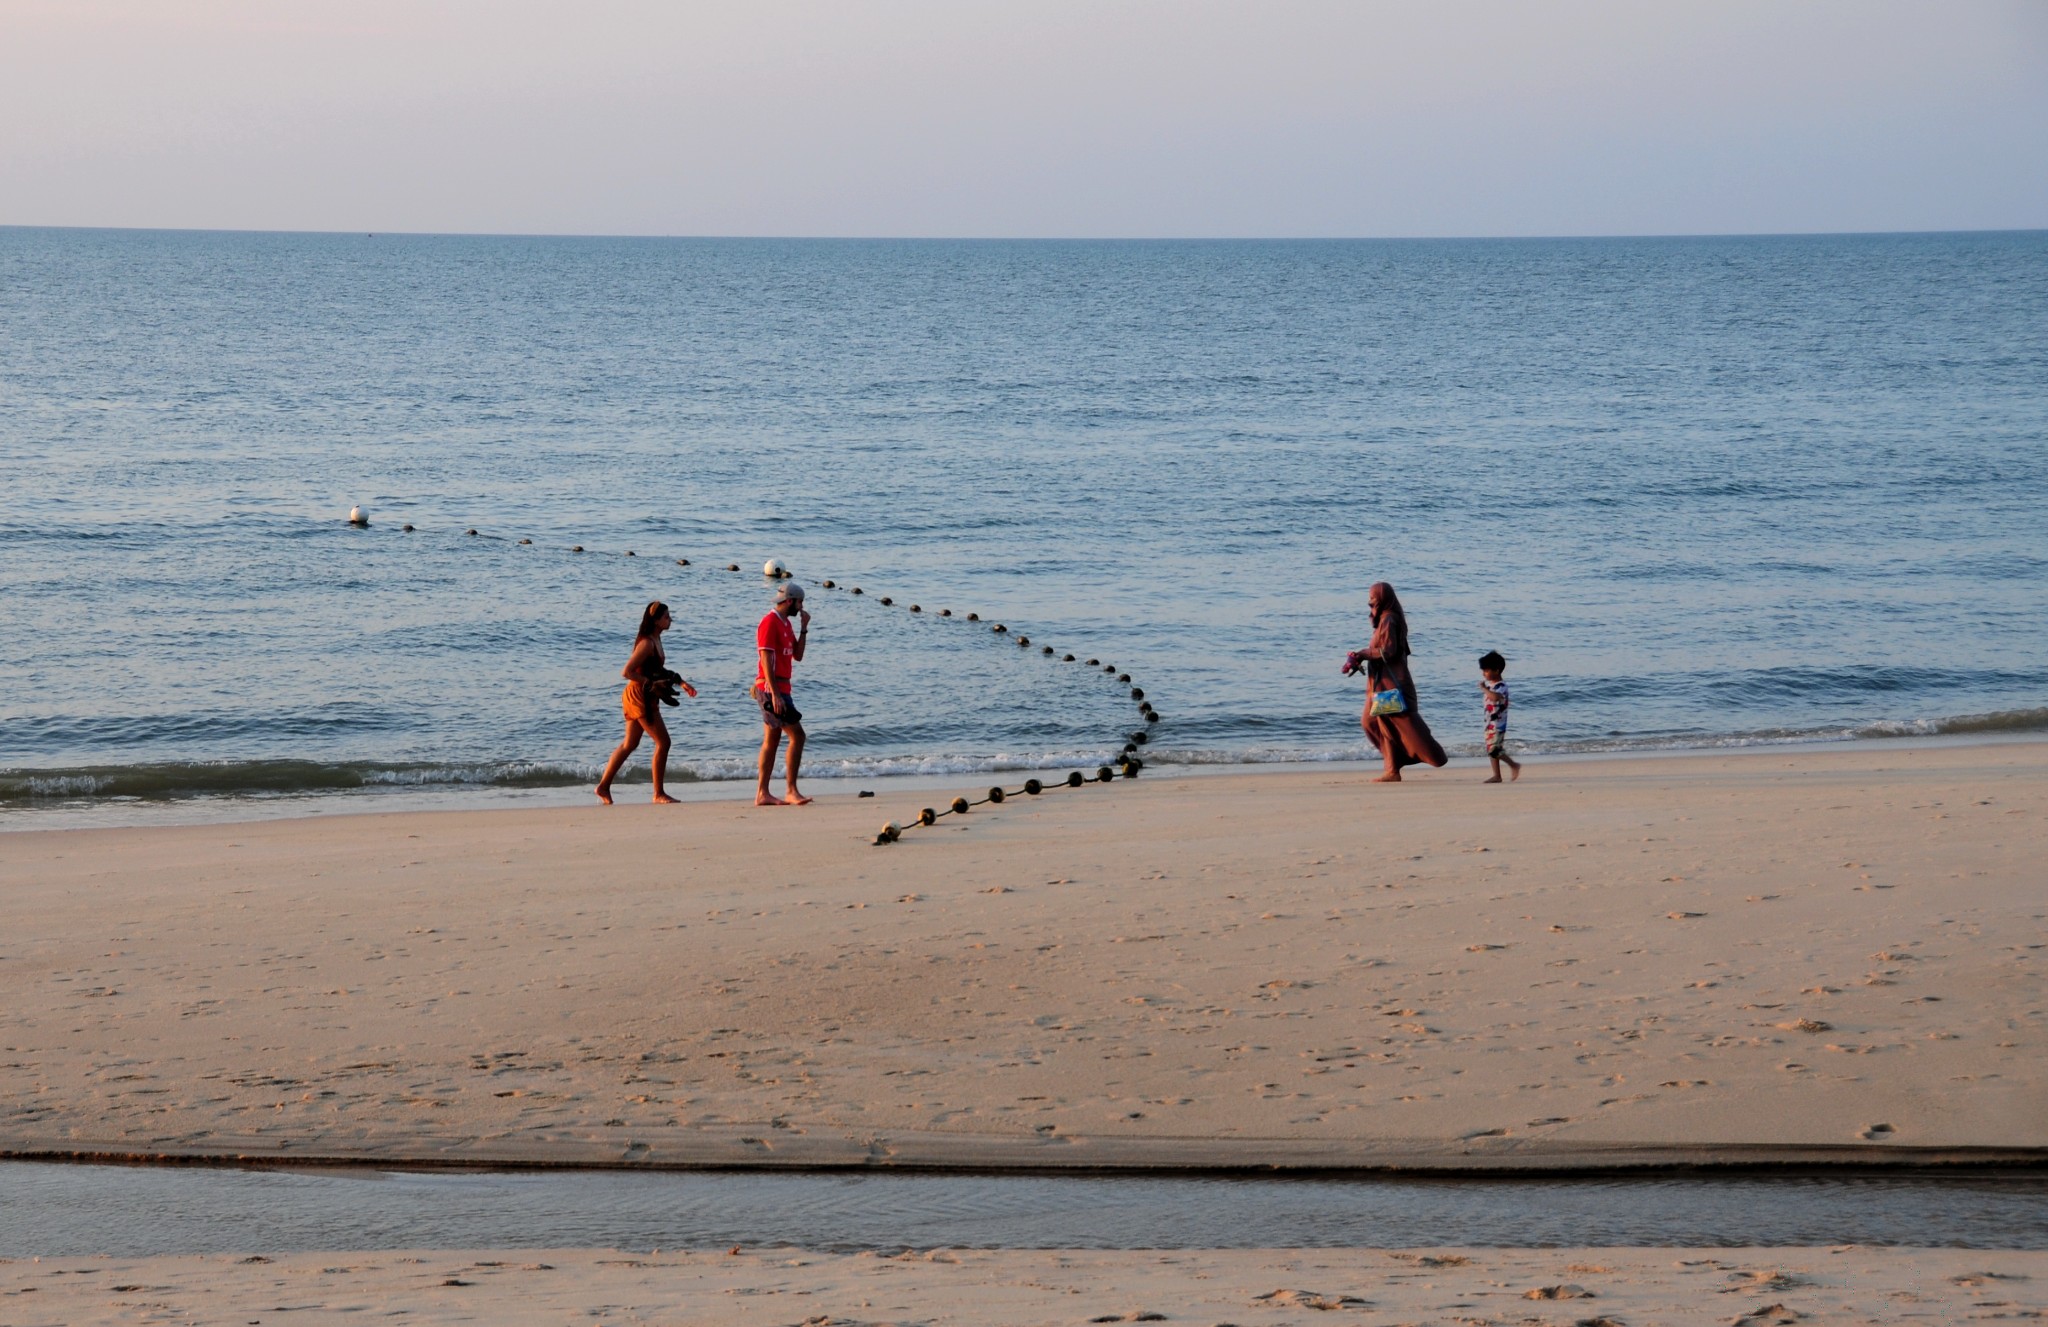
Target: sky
(1105, 118)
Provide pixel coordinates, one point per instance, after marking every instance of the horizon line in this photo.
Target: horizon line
(1040, 239)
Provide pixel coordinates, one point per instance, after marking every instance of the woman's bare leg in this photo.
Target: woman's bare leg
(658, 730)
(1386, 749)
(619, 754)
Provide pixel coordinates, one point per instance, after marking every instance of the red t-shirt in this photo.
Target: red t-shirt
(776, 636)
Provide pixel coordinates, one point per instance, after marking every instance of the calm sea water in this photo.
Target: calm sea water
(1699, 491)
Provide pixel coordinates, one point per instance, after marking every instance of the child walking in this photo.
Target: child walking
(1495, 691)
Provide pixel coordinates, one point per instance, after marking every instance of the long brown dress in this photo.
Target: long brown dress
(1403, 737)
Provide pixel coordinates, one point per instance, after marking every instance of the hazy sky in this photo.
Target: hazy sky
(1036, 117)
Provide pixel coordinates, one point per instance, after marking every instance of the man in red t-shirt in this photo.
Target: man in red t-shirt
(779, 649)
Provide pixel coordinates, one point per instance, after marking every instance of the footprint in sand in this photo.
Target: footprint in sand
(1311, 1299)
(1877, 1133)
(1570, 1290)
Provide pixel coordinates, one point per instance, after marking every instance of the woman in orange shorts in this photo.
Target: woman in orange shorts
(644, 672)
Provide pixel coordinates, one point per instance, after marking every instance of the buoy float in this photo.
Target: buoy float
(629, 552)
(358, 517)
(575, 548)
(856, 589)
(1123, 677)
(886, 601)
(682, 562)
(915, 609)
(1104, 774)
(1045, 650)
(830, 586)
(1000, 628)
(1137, 693)
(406, 528)
(732, 566)
(945, 612)
(774, 570)
(890, 833)
(995, 795)
(1075, 780)
(1068, 659)
(959, 806)
(523, 541)
(927, 816)
(1033, 786)
(974, 617)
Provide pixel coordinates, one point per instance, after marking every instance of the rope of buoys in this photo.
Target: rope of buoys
(960, 806)
(1128, 761)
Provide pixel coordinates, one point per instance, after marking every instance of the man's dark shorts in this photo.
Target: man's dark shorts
(788, 718)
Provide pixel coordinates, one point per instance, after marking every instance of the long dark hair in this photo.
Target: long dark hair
(1389, 623)
(654, 613)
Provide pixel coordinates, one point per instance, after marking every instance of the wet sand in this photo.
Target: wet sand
(1755, 956)
(1253, 1288)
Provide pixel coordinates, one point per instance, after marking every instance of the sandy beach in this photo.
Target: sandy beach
(1770, 956)
(967, 1288)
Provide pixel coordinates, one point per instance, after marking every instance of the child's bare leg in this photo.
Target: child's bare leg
(1496, 768)
(1514, 768)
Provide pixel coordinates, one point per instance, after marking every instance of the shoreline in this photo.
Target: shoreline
(61, 814)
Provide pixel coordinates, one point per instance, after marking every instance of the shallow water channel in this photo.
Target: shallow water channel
(73, 1210)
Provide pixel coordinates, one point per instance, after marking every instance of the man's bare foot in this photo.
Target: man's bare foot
(796, 798)
(1494, 779)
(604, 794)
(1387, 778)
(1514, 773)
(663, 799)
(763, 799)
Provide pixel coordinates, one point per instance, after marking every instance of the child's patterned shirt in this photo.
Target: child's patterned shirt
(1496, 712)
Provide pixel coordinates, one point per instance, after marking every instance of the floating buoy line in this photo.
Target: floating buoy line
(1128, 761)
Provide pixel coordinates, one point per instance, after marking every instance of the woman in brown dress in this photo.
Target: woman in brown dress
(644, 670)
(1403, 738)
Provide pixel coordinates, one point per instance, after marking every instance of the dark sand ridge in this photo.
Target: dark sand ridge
(1755, 957)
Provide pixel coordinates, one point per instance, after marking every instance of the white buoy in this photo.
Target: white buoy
(775, 571)
(357, 516)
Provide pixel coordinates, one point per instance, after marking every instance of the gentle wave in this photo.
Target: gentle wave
(270, 778)
(257, 778)
(293, 777)
(1993, 724)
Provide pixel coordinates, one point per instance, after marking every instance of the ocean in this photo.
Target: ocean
(1701, 492)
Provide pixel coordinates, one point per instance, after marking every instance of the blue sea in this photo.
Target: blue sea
(1701, 492)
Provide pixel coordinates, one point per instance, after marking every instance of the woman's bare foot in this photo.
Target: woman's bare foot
(604, 793)
(1387, 778)
(796, 798)
(663, 799)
